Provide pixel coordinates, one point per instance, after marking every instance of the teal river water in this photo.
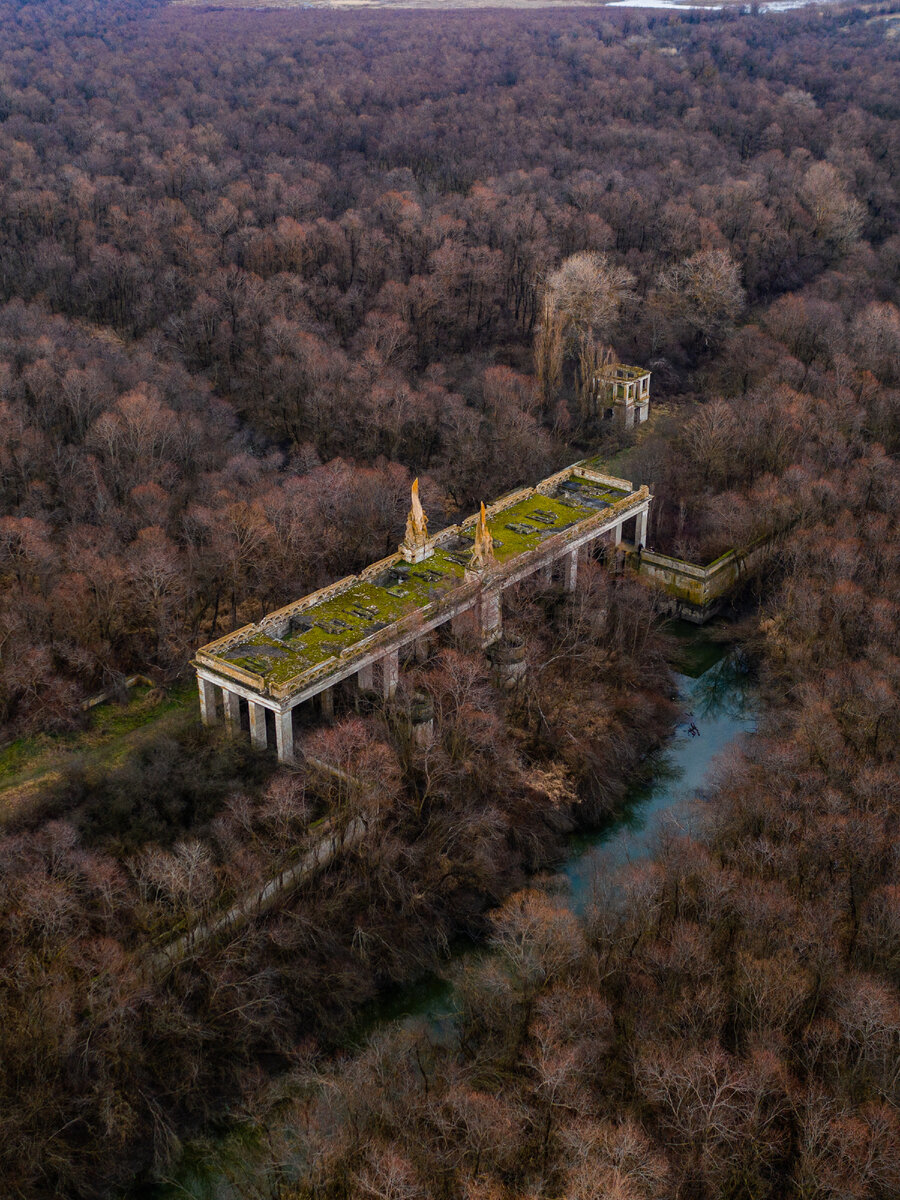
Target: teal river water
(718, 699)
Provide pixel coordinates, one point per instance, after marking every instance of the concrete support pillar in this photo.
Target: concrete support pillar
(423, 734)
(629, 416)
(570, 570)
(390, 673)
(617, 535)
(326, 703)
(258, 736)
(284, 735)
(421, 720)
(508, 660)
(420, 648)
(546, 574)
(491, 615)
(208, 714)
(232, 712)
(640, 536)
(365, 678)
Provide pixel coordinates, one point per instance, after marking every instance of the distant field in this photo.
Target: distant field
(456, 4)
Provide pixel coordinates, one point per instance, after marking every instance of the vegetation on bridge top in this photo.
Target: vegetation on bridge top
(346, 619)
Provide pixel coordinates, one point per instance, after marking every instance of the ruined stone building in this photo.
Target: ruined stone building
(361, 627)
(623, 391)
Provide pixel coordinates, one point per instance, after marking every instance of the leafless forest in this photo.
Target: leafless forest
(258, 270)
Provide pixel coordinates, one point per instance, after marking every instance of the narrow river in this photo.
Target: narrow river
(718, 702)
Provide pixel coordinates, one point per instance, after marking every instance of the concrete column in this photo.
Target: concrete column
(570, 570)
(232, 712)
(208, 714)
(421, 719)
(326, 703)
(284, 735)
(365, 678)
(390, 673)
(420, 648)
(491, 617)
(617, 535)
(629, 416)
(546, 573)
(258, 736)
(508, 660)
(640, 536)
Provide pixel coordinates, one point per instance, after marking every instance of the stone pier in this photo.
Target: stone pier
(258, 734)
(390, 673)
(640, 539)
(284, 735)
(232, 705)
(570, 570)
(508, 661)
(491, 616)
(421, 720)
(208, 714)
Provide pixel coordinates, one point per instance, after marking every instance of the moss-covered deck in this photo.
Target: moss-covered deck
(288, 646)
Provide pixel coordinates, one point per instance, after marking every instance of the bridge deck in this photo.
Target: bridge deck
(283, 651)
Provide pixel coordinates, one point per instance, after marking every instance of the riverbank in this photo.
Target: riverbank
(715, 691)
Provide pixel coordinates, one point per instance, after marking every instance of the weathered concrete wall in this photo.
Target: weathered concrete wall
(697, 592)
(324, 848)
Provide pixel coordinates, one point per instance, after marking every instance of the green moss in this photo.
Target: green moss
(342, 620)
(110, 730)
(508, 543)
(335, 625)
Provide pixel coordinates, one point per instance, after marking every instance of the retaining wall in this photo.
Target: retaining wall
(698, 593)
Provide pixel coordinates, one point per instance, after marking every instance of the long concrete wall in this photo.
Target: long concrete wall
(326, 847)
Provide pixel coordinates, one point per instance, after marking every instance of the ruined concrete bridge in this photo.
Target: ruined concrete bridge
(360, 625)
